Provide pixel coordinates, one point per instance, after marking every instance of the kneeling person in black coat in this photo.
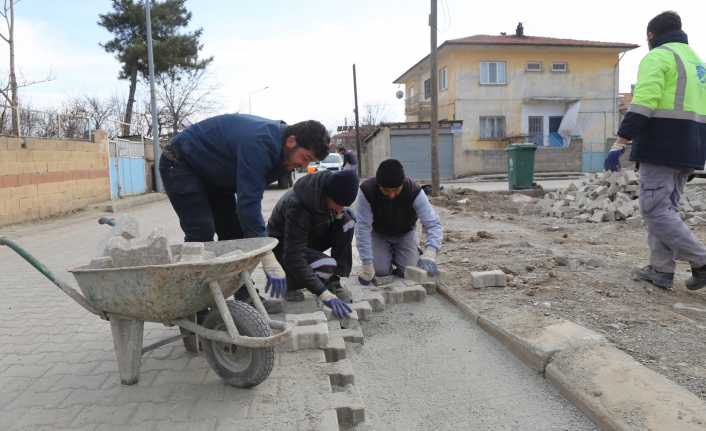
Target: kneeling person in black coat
(308, 220)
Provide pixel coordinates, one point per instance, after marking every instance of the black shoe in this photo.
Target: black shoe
(663, 280)
(398, 272)
(698, 278)
(294, 296)
(271, 306)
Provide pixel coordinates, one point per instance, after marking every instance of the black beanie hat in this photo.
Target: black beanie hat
(342, 187)
(664, 23)
(390, 173)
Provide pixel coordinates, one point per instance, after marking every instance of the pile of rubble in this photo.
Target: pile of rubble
(611, 196)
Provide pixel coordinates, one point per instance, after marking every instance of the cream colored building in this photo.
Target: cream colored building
(517, 88)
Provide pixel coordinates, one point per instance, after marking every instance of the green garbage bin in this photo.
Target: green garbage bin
(520, 166)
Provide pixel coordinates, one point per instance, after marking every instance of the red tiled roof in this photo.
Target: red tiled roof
(512, 40)
(485, 39)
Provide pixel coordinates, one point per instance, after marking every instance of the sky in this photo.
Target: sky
(303, 50)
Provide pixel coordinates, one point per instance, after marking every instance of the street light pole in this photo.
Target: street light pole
(157, 150)
(251, 94)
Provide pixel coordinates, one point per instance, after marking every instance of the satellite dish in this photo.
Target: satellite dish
(399, 94)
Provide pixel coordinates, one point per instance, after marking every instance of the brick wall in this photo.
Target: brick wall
(547, 159)
(45, 177)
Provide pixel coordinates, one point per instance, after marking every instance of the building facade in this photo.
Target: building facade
(517, 88)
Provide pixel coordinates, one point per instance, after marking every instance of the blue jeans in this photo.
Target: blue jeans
(203, 210)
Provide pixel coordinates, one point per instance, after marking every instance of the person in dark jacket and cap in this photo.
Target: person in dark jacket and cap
(215, 173)
(308, 220)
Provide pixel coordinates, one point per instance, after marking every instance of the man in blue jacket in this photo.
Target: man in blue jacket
(215, 173)
(666, 123)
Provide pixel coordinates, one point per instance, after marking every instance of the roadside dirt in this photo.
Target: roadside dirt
(578, 271)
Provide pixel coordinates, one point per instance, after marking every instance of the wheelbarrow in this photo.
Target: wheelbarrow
(237, 339)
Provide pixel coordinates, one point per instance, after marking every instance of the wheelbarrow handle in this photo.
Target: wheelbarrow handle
(63, 286)
(107, 220)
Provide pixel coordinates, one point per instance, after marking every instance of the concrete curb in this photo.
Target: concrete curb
(614, 390)
(129, 202)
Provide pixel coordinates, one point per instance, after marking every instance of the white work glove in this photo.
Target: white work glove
(276, 278)
(339, 308)
(366, 274)
(427, 261)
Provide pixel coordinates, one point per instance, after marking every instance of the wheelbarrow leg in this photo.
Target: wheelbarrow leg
(127, 339)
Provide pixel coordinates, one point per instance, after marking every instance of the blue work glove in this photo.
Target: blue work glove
(612, 161)
(427, 261)
(339, 308)
(276, 278)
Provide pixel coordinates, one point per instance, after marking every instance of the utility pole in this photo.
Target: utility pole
(357, 125)
(153, 101)
(434, 106)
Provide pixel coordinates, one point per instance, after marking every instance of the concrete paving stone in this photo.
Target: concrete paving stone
(349, 406)
(79, 382)
(6, 397)
(48, 416)
(172, 411)
(72, 357)
(76, 369)
(294, 359)
(144, 426)
(106, 366)
(165, 364)
(21, 349)
(399, 294)
(89, 427)
(91, 397)
(34, 399)
(227, 409)
(620, 394)
(351, 335)
(335, 350)
(340, 373)
(197, 363)
(110, 415)
(137, 394)
(202, 425)
(352, 321)
(363, 309)
(67, 347)
(15, 384)
(214, 390)
(194, 377)
(306, 319)
(483, 279)
(306, 337)
(417, 274)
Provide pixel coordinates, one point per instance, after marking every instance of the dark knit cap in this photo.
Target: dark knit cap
(664, 23)
(342, 187)
(390, 173)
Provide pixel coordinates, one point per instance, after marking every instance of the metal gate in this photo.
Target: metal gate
(414, 153)
(127, 168)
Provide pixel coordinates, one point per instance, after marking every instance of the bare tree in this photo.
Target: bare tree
(8, 90)
(184, 95)
(98, 110)
(373, 115)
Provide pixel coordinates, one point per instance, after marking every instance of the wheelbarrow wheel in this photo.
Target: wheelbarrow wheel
(239, 366)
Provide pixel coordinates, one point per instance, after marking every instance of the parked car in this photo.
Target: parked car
(332, 162)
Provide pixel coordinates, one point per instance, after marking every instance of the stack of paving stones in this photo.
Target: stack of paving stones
(322, 336)
(613, 196)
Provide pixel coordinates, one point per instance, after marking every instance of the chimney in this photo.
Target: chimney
(520, 31)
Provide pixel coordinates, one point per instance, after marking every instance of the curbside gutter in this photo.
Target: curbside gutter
(614, 390)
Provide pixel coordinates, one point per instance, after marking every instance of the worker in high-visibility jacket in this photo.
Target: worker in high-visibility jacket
(666, 123)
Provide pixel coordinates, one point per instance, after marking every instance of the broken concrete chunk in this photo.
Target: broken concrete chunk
(154, 251)
(126, 226)
(102, 262)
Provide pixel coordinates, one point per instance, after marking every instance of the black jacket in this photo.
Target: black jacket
(298, 219)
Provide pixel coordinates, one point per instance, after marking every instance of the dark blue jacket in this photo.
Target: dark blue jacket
(242, 153)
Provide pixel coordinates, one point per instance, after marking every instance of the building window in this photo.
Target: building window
(427, 88)
(534, 66)
(492, 127)
(444, 79)
(536, 130)
(492, 73)
(411, 92)
(560, 67)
